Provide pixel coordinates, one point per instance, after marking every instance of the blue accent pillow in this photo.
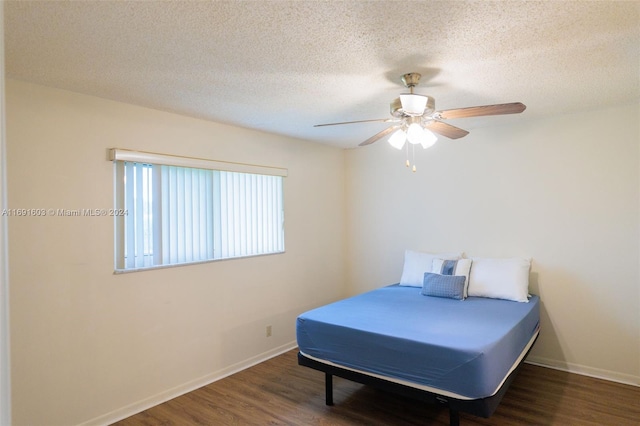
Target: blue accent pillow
(449, 286)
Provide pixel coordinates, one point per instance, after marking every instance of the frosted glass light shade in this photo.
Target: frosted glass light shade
(415, 133)
(428, 139)
(397, 139)
(413, 104)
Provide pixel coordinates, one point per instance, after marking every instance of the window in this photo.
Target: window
(168, 213)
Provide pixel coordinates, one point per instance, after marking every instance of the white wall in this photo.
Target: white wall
(91, 346)
(563, 190)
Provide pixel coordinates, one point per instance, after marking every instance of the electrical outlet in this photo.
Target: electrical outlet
(268, 331)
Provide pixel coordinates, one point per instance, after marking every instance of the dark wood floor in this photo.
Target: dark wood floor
(279, 392)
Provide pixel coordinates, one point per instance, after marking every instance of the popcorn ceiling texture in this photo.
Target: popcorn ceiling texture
(283, 66)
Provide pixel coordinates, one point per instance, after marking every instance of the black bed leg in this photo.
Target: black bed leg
(454, 417)
(328, 388)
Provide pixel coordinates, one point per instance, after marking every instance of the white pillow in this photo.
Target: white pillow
(462, 267)
(500, 278)
(417, 263)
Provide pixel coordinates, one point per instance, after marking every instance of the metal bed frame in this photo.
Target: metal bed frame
(483, 407)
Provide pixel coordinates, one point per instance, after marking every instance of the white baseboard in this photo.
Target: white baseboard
(137, 407)
(613, 376)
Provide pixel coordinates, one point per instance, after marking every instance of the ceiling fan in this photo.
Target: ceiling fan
(415, 118)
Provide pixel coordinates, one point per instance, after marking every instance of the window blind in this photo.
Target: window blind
(177, 215)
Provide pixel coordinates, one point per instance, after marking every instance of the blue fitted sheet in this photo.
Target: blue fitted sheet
(466, 348)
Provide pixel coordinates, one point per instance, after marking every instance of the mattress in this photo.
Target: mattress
(461, 348)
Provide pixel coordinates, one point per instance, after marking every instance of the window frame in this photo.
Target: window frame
(120, 156)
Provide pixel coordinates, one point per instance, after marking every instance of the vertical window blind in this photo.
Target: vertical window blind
(173, 214)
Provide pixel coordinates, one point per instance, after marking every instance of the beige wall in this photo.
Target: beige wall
(562, 190)
(88, 345)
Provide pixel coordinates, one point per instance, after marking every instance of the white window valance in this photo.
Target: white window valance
(117, 154)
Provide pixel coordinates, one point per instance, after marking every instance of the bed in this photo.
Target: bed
(459, 353)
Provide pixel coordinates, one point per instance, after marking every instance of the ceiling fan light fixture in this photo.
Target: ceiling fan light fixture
(397, 139)
(412, 104)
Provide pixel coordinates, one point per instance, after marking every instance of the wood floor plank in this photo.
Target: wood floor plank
(280, 392)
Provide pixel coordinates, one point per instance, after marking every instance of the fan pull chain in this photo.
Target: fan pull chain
(407, 151)
(414, 158)
(408, 163)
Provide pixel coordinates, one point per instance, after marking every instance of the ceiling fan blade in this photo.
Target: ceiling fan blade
(444, 129)
(384, 120)
(478, 111)
(379, 135)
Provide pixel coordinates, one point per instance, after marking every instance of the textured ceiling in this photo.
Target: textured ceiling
(283, 66)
